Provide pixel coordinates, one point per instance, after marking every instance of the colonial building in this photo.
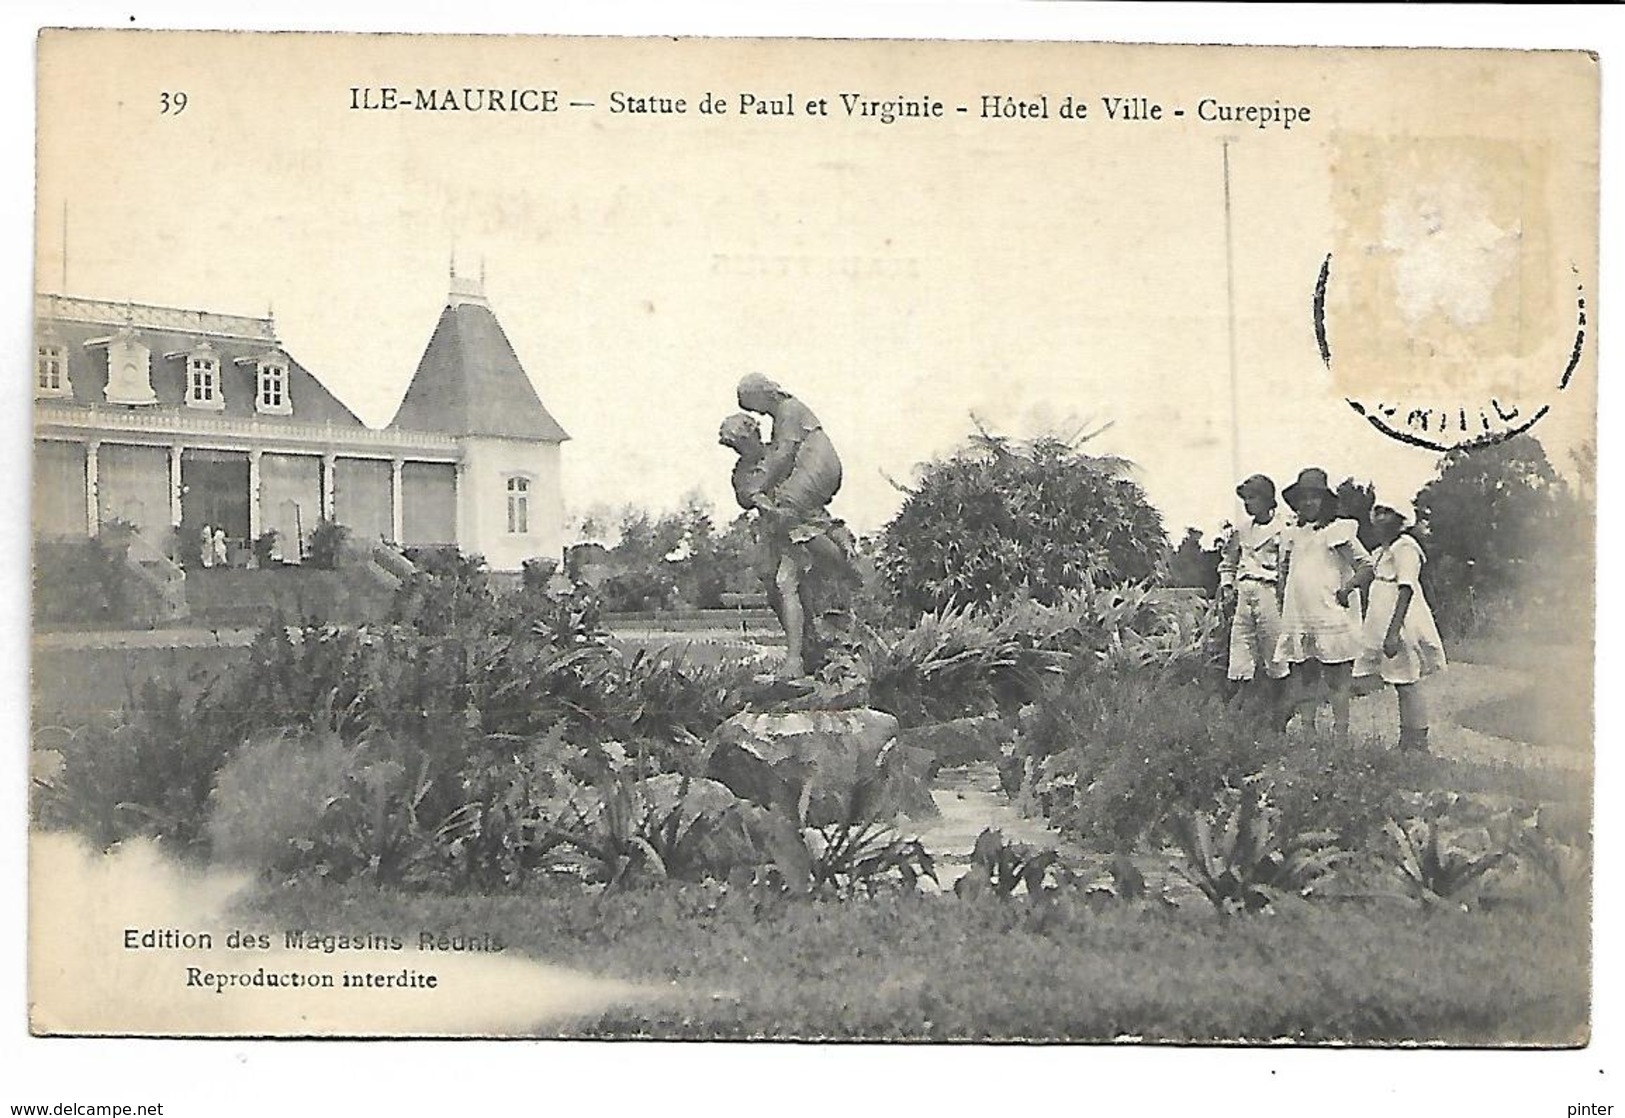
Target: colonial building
(163, 417)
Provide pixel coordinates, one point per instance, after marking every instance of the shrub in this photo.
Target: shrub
(824, 817)
(84, 581)
(1443, 846)
(492, 810)
(264, 547)
(1000, 521)
(1433, 868)
(326, 545)
(411, 814)
(667, 703)
(536, 572)
(639, 591)
(663, 827)
(971, 660)
(1190, 565)
(664, 560)
(1108, 755)
(1112, 756)
(953, 663)
(148, 773)
(275, 803)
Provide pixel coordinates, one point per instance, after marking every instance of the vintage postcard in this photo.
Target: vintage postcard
(812, 539)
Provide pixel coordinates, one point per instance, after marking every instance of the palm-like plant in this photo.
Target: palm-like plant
(1431, 867)
(1238, 858)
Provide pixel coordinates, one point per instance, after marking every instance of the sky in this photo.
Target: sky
(1043, 276)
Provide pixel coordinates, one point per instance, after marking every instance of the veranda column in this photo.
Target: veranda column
(254, 518)
(93, 516)
(397, 519)
(330, 465)
(175, 485)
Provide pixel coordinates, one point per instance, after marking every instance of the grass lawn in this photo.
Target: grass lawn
(73, 686)
(923, 968)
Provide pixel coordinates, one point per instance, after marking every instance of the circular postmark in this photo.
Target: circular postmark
(1450, 308)
(1459, 414)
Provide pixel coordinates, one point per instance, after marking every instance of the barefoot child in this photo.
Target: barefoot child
(1249, 574)
(1324, 564)
(1400, 642)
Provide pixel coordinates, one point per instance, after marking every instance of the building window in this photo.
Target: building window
(273, 388)
(518, 506)
(203, 381)
(51, 371)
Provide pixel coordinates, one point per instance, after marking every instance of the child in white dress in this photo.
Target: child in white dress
(1323, 564)
(1400, 641)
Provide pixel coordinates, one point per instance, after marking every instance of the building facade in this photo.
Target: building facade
(171, 420)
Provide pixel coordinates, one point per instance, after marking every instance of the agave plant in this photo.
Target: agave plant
(1432, 864)
(960, 660)
(1566, 866)
(621, 829)
(1238, 858)
(863, 858)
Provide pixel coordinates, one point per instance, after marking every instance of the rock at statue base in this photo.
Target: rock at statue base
(823, 766)
(769, 690)
(963, 741)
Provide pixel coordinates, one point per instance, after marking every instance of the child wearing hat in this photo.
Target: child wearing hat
(1249, 580)
(1323, 564)
(1400, 641)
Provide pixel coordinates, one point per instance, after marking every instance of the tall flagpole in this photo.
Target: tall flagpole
(1230, 297)
(64, 246)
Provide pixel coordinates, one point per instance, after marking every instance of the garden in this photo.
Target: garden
(489, 758)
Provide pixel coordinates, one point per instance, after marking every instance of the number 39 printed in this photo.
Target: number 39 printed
(171, 104)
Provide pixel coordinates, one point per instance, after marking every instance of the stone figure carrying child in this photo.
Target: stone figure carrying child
(789, 481)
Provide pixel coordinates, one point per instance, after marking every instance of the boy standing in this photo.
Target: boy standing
(1249, 581)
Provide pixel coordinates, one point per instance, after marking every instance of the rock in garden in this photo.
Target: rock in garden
(823, 766)
(963, 741)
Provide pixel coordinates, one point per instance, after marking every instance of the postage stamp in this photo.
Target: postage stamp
(1457, 313)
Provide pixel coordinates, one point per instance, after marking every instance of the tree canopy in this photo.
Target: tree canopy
(1002, 519)
(1491, 519)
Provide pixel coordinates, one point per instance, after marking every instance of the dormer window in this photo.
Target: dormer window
(51, 369)
(203, 389)
(272, 395)
(129, 369)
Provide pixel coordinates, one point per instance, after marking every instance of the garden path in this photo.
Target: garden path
(1451, 695)
(100, 639)
(970, 801)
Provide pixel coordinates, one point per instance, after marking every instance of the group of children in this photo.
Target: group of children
(1314, 610)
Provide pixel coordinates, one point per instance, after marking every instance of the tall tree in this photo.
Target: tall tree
(1001, 519)
(1489, 519)
(1355, 500)
(1195, 566)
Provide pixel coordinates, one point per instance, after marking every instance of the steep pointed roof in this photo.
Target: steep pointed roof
(469, 380)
